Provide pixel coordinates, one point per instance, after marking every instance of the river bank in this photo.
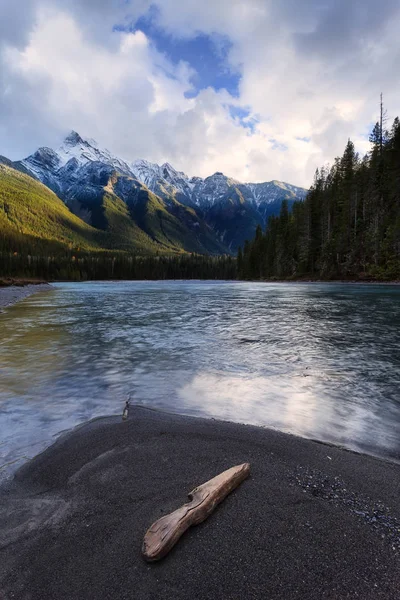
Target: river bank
(333, 281)
(12, 291)
(312, 521)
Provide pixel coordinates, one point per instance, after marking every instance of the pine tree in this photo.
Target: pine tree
(240, 263)
(349, 223)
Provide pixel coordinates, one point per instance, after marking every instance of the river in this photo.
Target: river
(318, 360)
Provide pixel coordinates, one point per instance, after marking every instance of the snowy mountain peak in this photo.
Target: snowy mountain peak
(42, 161)
(143, 164)
(72, 139)
(77, 153)
(169, 171)
(80, 170)
(219, 176)
(47, 155)
(87, 150)
(74, 146)
(146, 172)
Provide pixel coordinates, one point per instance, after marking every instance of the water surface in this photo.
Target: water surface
(318, 360)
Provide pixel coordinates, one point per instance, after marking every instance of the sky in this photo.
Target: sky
(257, 89)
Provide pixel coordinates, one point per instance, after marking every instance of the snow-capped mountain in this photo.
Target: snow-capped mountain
(163, 180)
(85, 151)
(79, 168)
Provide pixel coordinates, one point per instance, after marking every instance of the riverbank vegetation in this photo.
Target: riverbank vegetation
(348, 227)
(87, 266)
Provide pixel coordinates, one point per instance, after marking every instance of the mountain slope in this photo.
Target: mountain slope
(123, 215)
(169, 224)
(29, 209)
(31, 214)
(90, 180)
(211, 215)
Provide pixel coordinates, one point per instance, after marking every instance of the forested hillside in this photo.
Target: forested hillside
(41, 237)
(34, 220)
(347, 227)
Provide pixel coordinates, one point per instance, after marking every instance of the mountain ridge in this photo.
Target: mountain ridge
(79, 168)
(37, 221)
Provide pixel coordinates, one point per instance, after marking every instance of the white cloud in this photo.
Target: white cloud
(310, 71)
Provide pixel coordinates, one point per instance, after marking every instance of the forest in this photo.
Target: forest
(87, 266)
(41, 238)
(347, 228)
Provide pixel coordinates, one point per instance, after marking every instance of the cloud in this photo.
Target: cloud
(310, 77)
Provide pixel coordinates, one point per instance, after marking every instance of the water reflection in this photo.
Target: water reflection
(319, 360)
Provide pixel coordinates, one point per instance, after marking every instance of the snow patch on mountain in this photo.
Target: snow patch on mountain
(60, 169)
(271, 191)
(85, 151)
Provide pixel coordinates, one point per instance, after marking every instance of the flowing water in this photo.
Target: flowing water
(318, 360)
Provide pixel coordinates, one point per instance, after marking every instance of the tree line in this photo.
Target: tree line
(86, 266)
(27, 256)
(348, 227)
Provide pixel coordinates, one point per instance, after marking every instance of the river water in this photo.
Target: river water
(318, 360)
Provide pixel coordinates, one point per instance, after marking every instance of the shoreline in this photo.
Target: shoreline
(312, 521)
(13, 293)
(333, 281)
(108, 419)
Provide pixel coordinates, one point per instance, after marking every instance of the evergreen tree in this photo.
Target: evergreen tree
(240, 263)
(347, 227)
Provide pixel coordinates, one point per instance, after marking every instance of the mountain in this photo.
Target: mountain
(34, 219)
(31, 212)
(231, 208)
(212, 215)
(102, 191)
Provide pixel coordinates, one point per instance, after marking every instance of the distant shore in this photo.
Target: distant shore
(14, 290)
(313, 521)
(350, 281)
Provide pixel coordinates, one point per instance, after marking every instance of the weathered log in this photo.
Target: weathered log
(165, 532)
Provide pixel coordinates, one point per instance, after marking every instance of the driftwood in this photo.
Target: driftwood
(126, 410)
(165, 532)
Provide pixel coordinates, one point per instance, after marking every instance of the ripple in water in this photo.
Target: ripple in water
(318, 360)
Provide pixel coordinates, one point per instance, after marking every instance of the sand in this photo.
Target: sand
(313, 521)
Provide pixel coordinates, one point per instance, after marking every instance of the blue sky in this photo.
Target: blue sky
(206, 54)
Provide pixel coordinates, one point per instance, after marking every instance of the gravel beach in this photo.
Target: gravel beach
(13, 293)
(312, 521)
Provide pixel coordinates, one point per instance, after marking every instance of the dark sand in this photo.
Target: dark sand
(312, 521)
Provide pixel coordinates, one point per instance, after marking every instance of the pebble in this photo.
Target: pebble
(334, 490)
